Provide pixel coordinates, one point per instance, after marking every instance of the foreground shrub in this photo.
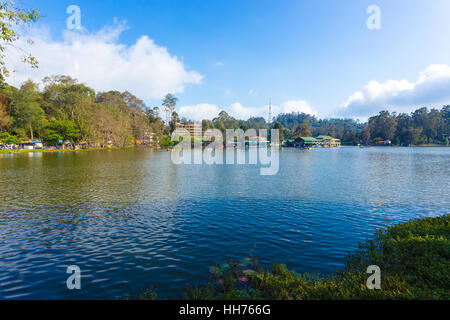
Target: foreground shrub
(414, 258)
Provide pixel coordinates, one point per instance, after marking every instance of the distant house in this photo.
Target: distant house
(329, 142)
(31, 145)
(256, 140)
(148, 139)
(306, 142)
(289, 143)
(383, 142)
(195, 129)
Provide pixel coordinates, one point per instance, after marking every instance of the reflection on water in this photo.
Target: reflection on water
(132, 219)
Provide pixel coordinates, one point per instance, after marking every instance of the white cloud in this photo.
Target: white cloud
(239, 111)
(219, 64)
(432, 87)
(295, 106)
(102, 62)
(199, 111)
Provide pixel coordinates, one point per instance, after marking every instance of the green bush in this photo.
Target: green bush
(5, 137)
(413, 257)
(165, 141)
(61, 130)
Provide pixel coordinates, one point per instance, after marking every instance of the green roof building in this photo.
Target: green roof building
(329, 142)
(306, 142)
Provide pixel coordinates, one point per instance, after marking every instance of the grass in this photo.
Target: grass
(65, 150)
(430, 145)
(414, 258)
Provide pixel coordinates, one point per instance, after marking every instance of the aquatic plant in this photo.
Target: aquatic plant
(414, 258)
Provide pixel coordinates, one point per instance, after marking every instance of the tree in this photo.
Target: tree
(27, 113)
(277, 125)
(224, 121)
(30, 85)
(59, 79)
(4, 113)
(207, 124)
(62, 130)
(11, 17)
(153, 115)
(383, 125)
(244, 126)
(68, 101)
(169, 103)
(5, 137)
(365, 136)
(65, 99)
(303, 130)
(257, 123)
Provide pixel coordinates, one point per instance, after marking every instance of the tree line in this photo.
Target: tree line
(422, 126)
(66, 110)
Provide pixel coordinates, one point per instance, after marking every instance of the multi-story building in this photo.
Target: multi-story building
(195, 129)
(329, 142)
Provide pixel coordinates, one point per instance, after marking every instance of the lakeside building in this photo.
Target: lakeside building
(31, 145)
(257, 140)
(329, 142)
(383, 143)
(311, 142)
(148, 139)
(306, 142)
(195, 129)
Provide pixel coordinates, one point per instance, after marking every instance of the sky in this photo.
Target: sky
(317, 57)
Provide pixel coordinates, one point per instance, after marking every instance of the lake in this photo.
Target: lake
(131, 219)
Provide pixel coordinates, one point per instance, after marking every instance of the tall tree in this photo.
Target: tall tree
(65, 99)
(383, 125)
(169, 103)
(303, 130)
(62, 130)
(278, 126)
(4, 112)
(27, 113)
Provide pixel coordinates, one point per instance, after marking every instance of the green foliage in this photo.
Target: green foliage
(5, 137)
(278, 126)
(169, 104)
(27, 112)
(68, 110)
(10, 17)
(62, 130)
(150, 294)
(417, 251)
(383, 126)
(414, 258)
(120, 119)
(419, 127)
(165, 141)
(303, 130)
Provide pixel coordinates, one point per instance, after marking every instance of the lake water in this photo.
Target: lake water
(131, 219)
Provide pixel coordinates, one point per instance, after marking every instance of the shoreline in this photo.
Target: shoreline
(168, 148)
(397, 146)
(422, 244)
(75, 150)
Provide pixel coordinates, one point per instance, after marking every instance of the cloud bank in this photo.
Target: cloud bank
(239, 111)
(101, 61)
(431, 87)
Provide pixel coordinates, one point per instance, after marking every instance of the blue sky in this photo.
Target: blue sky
(312, 56)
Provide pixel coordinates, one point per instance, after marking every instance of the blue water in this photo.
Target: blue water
(132, 219)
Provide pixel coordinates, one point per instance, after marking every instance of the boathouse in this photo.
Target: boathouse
(306, 142)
